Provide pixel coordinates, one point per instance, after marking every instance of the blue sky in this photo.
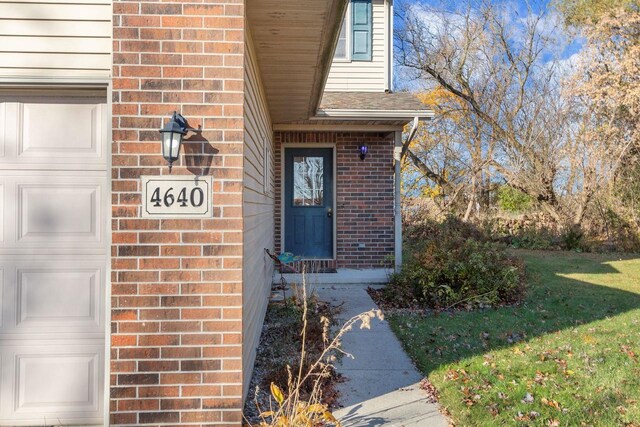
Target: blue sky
(567, 47)
(522, 8)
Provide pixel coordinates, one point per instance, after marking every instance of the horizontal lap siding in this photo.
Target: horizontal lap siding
(55, 39)
(365, 76)
(258, 210)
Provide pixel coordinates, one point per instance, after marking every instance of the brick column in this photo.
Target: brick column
(176, 307)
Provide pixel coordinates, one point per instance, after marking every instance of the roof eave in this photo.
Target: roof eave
(294, 44)
(331, 114)
(333, 25)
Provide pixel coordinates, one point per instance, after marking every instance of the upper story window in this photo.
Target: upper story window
(356, 36)
(343, 51)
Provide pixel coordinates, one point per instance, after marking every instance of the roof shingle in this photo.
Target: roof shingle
(374, 101)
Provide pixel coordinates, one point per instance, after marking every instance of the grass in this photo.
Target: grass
(568, 356)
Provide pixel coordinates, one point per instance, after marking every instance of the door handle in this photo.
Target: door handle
(329, 212)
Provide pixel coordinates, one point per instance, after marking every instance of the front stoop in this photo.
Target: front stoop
(343, 276)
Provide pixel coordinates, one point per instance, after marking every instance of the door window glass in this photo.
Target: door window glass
(308, 181)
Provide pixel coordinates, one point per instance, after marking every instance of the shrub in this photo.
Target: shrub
(533, 238)
(619, 231)
(528, 231)
(513, 200)
(453, 263)
(572, 239)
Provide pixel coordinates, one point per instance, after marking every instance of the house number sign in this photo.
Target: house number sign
(176, 197)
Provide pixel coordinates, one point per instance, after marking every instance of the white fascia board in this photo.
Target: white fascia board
(372, 114)
(328, 126)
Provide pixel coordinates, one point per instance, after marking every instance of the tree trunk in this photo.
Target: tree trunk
(472, 200)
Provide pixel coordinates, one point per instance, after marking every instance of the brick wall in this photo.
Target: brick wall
(176, 353)
(365, 189)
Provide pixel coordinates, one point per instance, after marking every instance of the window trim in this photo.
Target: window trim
(266, 166)
(347, 20)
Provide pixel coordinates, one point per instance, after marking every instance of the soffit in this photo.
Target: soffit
(294, 42)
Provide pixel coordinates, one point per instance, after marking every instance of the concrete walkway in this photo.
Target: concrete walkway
(382, 385)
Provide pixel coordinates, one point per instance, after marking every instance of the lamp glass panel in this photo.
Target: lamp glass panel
(166, 145)
(175, 145)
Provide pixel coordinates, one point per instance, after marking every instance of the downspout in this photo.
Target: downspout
(397, 157)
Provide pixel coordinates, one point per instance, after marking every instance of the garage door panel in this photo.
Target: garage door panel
(3, 130)
(3, 207)
(47, 382)
(45, 131)
(60, 133)
(55, 382)
(65, 298)
(4, 391)
(53, 210)
(56, 212)
(52, 298)
(4, 314)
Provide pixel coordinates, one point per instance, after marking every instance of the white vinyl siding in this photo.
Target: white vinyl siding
(258, 209)
(56, 39)
(365, 76)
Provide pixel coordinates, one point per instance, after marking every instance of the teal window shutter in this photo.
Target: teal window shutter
(362, 36)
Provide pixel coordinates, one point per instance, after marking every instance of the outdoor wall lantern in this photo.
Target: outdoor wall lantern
(364, 150)
(172, 134)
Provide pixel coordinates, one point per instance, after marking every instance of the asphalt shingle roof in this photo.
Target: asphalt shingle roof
(375, 101)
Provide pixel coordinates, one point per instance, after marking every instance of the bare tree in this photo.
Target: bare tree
(502, 85)
(610, 86)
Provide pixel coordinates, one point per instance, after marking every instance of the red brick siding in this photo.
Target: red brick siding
(176, 353)
(365, 189)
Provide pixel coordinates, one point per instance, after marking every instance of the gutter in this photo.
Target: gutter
(372, 114)
(397, 205)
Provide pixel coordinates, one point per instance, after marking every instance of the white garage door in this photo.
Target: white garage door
(53, 256)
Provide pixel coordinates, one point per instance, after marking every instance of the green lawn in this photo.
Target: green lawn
(568, 356)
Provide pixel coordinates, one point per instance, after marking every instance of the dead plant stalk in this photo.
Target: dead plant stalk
(292, 410)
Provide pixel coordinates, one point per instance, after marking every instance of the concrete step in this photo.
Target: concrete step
(343, 276)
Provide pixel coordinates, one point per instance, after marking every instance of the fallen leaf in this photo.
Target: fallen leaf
(528, 398)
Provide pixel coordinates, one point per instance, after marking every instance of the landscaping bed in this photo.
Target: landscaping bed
(280, 348)
(567, 354)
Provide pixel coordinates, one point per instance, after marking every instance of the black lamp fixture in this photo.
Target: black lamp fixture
(172, 134)
(364, 150)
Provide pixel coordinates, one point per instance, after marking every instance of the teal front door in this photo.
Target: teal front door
(308, 204)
